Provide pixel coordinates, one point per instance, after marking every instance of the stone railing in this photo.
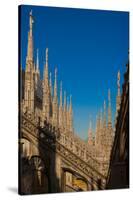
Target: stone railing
(70, 141)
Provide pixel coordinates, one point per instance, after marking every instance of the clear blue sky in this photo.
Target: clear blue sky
(88, 47)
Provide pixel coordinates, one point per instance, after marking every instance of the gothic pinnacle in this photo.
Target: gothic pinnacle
(50, 83)
(30, 39)
(55, 84)
(46, 56)
(61, 94)
(118, 97)
(46, 67)
(31, 21)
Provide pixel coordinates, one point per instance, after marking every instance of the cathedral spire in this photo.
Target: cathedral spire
(30, 39)
(118, 98)
(45, 75)
(30, 69)
(61, 94)
(50, 84)
(46, 91)
(64, 112)
(70, 115)
(109, 108)
(55, 102)
(60, 107)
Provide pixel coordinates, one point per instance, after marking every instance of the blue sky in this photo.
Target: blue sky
(88, 47)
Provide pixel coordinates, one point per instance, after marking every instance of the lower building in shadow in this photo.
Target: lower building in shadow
(118, 176)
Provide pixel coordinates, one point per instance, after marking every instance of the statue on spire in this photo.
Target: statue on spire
(31, 20)
(46, 55)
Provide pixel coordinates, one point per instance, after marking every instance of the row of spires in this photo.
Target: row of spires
(101, 122)
(58, 115)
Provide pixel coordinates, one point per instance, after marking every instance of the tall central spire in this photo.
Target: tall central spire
(29, 72)
(30, 39)
(55, 102)
(46, 90)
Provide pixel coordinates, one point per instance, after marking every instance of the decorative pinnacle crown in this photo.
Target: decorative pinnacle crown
(46, 55)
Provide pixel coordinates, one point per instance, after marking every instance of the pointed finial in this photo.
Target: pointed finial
(46, 55)
(50, 83)
(31, 12)
(31, 20)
